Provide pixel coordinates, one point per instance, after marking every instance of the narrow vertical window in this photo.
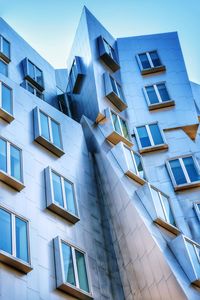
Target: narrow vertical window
(143, 135)
(21, 239)
(68, 264)
(3, 68)
(5, 231)
(15, 162)
(3, 155)
(56, 133)
(69, 193)
(82, 273)
(44, 126)
(57, 189)
(177, 171)
(6, 98)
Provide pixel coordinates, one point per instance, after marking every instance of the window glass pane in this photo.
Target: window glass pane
(157, 204)
(6, 99)
(30, 88)
(194, 257)
(143, 135)
(44, 126)
(39, 95)
(57, 189)
(15, 162)
(191, 169)
(113, 85)
(130, 162)
(156, 135)
(81, 268)
(21, 240)
(70, 201)
(56, 133)
(120, 92)
(68, 264)
(109, 50)
(163, 92)
(5, 231)
(39, 76)
(155, 59)
(3, 68)
(139, 165)
(3, 155)
(177, 171)
(198, 205)
(31, 70)
(6, 48)
(144, 61)
(168, 211)
(152, 94)
(124, 129)
(115, 123)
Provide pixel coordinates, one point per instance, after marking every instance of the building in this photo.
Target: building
(99, 170)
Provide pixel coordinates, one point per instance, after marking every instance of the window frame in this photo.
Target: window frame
(115, 137)
(188, 184)
(135, 176)
(12, 259)
(5, 115)
(55, 207)
(61, 284)
(34, 88)
(4, 57)
(77, 63)
(160, 104)
(5, 63)
(48, 144)
(6, 177)
(40, 87)
(153, 146)
(195, 245)
(152, 69)
(197, 209)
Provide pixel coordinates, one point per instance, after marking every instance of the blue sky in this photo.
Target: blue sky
(49, 25)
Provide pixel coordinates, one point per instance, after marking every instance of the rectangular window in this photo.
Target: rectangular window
(119, 125)
(74, 273)
(134, 162)
(61, 195)
(194, 252)
(107, 54)
(117, 88)
(6, 102)
(11, 164)
(109, 50)
(48, 132)
(149, 137)
(150, 62)
(3, 68)
(184, 171)
(35, 73)
(34, 76)
(197, 209)
(157, 96)
(33, 90)
(76, 76)
(14, 240)
(4, 49)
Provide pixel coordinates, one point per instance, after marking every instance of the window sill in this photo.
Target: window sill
(167, 226)
(15, 262)
(161, 105)
(120, 104)
(6, 116)
(11, 181)
(154, 148)
(34, 83)
(74, 291)
(115, 138)
(110, 62)
(63, 213)
(186, 186)
(48, 145)
(153, 70)
(5, 58)
(135, 177)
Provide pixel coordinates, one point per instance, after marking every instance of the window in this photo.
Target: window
(76, 76)
(119, 125)
(157, 96)
(162, 206)
(33, 90)
(107, 54)
(33, 74)
(61, 195)
(197, 209)
(14, 241)
(184, 172)
(3, 68)
(11, 164)
(149, 138)
(114, 92)
(6, 102)
(150, 62)
(72, 266)
(47, 132)
(4, 49)
(194, 251)
(135, 166)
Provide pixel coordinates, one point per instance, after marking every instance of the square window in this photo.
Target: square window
(6, 102)
(157, 96)
(33, 75)
(150, 138)
(14, 241)
(11, 164)
(149, 62)
(71, 270)
(184, 172)
(48, 132)
(61, 195)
